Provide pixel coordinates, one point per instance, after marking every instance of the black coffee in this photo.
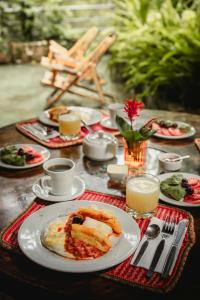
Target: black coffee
(59, 168)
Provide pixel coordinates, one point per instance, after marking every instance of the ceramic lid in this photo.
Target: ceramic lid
(99, 138)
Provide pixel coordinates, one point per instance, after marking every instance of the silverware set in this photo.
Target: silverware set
(171, 255)
(40, 131)
(169, 229)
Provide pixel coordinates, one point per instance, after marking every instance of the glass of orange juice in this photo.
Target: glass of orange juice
(69, 126)
(142, 195)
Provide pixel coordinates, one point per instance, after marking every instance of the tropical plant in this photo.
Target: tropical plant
(158, 46)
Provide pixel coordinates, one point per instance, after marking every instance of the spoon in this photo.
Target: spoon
(177, 159)
(87, 126)
(152, 232)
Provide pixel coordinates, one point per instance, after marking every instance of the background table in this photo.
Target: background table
(20, 277)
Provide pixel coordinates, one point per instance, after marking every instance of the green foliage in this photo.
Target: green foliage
(132, 135)
(30, 20)
(158, 44)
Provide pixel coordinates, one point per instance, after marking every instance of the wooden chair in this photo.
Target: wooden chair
(70, 57)
(82, 70)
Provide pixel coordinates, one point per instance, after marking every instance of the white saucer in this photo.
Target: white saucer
(106, 122)
(78, 189)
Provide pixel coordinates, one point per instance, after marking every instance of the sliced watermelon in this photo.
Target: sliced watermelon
(195, 199)
(175, 131)
(193, 181)
(27, 149)
(165, 131)
(37, 156)
(36, 159)
(192, 198)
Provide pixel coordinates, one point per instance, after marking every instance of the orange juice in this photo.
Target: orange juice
(69, 125)
(142, 194)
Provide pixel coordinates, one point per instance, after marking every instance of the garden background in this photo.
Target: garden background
(156, 56)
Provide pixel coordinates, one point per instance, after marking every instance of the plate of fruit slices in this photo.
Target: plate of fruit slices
(23, 156)
(188, 184)
(173, 130)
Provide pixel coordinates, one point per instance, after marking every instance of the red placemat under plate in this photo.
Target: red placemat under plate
(57, 142)
(123, 272)
(197, 142)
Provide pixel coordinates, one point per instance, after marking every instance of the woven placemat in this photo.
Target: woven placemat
(197, 142)
(124, 272)
(57, 142)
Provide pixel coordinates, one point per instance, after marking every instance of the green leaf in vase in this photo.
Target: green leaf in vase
(122, 124)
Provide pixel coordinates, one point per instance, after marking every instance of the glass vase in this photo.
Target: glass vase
(135, 154)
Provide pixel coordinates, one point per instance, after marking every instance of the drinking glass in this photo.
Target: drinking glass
(113, 108)
(142, 195)
(69, 126)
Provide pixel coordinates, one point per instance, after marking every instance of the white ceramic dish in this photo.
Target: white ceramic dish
(170, 165)
(117, 172)
(89, 115)
(100, 146)
(186, 135)
(29, 238)
(42, 150)
(172, 201)
(78, 189)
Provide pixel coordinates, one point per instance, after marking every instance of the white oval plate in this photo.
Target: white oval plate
(172, 201)
(89, 115)
(29, 238)
(78, 189)
(42, 150)
(184, 136)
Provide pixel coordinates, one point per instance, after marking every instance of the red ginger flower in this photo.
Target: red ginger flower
(132, 108)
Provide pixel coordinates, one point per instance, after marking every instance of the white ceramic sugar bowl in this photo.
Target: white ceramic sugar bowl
(166, 165)
(100, 146)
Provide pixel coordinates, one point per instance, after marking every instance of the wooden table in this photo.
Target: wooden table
(17, 272)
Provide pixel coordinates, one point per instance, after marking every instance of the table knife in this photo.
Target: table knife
(140, 253)
(170, 258)
(155, 259)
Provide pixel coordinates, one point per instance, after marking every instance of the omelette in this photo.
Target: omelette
(84, 234)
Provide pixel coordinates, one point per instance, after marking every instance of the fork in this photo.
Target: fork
(167, 230)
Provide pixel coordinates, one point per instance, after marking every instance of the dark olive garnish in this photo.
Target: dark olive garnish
(20, 152)
(78, 220)
(184, 180)
(189, 190)
(29, 156)
(174, 125)
(161, 123)
(185, 185)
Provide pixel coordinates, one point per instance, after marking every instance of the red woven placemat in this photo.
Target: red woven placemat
(57, 142)
(123, 272)
(197, 142)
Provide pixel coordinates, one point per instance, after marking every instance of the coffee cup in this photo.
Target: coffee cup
(113, 108)
(60, 175)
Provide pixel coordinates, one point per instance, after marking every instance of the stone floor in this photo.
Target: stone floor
(22, 96)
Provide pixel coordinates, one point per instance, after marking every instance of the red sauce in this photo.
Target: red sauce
(78, 248)
(59, 229)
